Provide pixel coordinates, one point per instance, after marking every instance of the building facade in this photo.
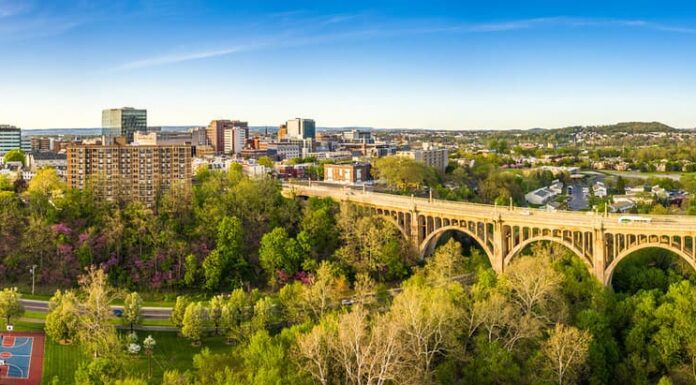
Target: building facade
(124, 121)
(216, 132)
(347, 173)
(437, 158)
(235, 139)
(10, 138)
(299, 129)
(128, 172)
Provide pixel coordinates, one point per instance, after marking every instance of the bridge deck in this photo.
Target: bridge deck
(530, 216)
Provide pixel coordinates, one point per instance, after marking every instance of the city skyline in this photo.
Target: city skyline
(387, 65)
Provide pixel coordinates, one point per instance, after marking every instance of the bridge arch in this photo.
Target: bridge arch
(517, 249)
(609, 271)
(435, 235)
(393, 221)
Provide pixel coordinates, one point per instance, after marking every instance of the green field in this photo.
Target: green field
(171, 352)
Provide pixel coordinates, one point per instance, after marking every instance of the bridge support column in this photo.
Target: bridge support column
(598, 255)
(415, 231)
(499, 251)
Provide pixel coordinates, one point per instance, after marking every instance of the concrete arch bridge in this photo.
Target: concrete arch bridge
(601, 241)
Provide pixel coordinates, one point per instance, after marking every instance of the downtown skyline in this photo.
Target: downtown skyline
(387, 64)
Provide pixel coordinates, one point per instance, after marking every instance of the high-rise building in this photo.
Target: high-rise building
(121, 171)
(299, 129)
(235, 139)
(216, 132)
(123, 122)
(10, 138)
(282, 132)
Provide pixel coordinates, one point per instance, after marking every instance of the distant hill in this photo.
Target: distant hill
(625, 127)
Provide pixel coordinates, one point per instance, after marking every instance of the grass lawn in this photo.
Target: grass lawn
(171, 352)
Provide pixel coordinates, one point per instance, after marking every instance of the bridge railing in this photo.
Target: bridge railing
(676, 222)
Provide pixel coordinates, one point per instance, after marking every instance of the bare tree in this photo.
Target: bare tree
(566, 351)
(535, 287)
(315, 350)
(428, 319)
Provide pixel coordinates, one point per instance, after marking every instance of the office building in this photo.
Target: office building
(199, 136)
(121, 171)
(162, 138)
(299, 129)
(357, 136)
(124, 121)
(10, 138)
(282, 132)
(284, 150)
(235, 139)
(216, 132)
(438, 158)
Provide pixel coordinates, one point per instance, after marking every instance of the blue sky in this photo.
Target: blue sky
(431, 64)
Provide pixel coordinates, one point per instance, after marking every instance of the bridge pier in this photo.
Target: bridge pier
(598, 255)
(415, 230)
(498, 261)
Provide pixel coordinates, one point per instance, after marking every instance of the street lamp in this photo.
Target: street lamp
(33, 278)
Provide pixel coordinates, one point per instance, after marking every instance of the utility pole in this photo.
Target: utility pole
(33, 278)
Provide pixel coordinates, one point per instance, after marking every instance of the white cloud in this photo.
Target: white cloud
(179, 58)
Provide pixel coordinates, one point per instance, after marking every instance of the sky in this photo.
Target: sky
(381, 63)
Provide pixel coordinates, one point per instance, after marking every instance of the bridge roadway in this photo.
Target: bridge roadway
(598, 239)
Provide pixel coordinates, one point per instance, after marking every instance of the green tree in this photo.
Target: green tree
(179, 309)
(403, 173)
(227, 260)
(97, 335)
(62, 320)
(194, 322)
(132, 310)
(15, 155)
(279, 252)
(10, 305)
(215, 307)
(191, 270)
(266, 162)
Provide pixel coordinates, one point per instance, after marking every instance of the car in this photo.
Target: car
(117, 312)
(347, 302)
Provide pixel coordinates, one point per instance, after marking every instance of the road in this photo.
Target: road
(578, 199)
(153, 313)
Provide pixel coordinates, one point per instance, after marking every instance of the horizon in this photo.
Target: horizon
(435, 65)
(340, 127)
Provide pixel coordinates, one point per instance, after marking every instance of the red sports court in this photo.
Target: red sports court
(21, 356)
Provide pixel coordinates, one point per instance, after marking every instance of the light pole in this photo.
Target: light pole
(33, 278)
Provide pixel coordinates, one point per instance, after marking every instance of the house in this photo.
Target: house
(556, 186)
(599, 189)
(540, 196)
(622, 206)
(659, 192)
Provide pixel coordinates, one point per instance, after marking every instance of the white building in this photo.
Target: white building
(234, 139)
(540, 196)
(599, 189)
(285, 150)
(437, 158)
(299, 129)
(544, 195)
